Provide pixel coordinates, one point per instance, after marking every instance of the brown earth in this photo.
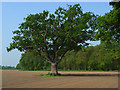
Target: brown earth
(26, 79)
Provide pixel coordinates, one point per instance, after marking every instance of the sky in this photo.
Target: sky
(14, 12)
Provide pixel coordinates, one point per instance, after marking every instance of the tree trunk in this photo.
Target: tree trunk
(54, 69)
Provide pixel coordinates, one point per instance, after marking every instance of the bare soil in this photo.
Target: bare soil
(26, 79)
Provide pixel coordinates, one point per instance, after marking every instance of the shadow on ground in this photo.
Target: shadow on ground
(90, 74)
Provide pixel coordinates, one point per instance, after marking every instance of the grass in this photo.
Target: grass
(33, 70)
(48, 75)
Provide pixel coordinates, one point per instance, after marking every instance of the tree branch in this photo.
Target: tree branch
(45, 59)
(46, 49)
(62, 56)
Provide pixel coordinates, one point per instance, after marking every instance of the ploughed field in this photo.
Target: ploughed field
(26, 79)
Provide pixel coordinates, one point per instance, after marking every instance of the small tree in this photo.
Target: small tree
(52, 35)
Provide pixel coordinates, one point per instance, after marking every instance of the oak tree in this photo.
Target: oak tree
(52, 35)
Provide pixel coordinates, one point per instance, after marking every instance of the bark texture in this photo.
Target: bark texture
(54, 69)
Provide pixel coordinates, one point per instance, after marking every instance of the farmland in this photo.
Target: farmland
(26, 79)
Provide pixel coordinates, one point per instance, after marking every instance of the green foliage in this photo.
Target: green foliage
(30, 61)
(18, 66)
(108, 32)
(104, 59)
(91, 58)
(54, 34)
(7, 67)
(109, 25)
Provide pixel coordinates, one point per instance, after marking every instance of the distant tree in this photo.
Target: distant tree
(52, 35)
(8, 67)
(104, 59)
(32, 61)
(0, 67)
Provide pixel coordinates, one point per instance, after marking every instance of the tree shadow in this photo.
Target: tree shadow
(90, 74)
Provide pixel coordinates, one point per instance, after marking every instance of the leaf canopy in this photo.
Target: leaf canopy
(55, 34)
(109, 25)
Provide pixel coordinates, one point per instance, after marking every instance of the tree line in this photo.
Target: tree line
(7, 67)
(88, 58)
